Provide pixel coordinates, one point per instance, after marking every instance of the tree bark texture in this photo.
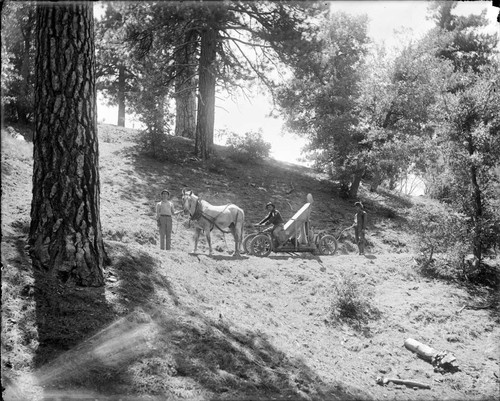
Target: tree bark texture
(65, 233)
(185, 89)
(206, 93)
(121, 96)
(356, 180)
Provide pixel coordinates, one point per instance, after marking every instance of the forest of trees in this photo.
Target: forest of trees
(431, 108)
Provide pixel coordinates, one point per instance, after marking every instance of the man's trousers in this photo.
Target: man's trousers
(165, 231)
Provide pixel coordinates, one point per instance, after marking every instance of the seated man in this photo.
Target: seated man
(274, 218)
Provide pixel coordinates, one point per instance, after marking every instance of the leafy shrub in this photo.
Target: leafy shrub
(441, 238)
(352, 303)
(249, 148)
(152, 143)
(165, 147)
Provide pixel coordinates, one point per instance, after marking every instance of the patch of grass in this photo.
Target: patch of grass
(19, 335)
(110, 133)
(427, 317)
(222, 359)
(166, 148)
(141, 236)
(215, 165)
(454, 383)
(16, 149)
(352, 303)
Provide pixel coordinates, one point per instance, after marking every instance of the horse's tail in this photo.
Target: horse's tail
(242, 228)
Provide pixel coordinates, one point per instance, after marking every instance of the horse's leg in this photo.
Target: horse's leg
(196, 236)
(238, 233)
(207, 233)
(234, 231)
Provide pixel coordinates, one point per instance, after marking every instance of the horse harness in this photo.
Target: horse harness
(198, 213)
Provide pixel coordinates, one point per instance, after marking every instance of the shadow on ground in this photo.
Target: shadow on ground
(237, 364)
(125, 341)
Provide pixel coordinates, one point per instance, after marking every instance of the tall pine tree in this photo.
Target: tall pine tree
(65, 234)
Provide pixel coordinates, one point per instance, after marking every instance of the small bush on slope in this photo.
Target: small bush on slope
(352, 303)
(249, 148)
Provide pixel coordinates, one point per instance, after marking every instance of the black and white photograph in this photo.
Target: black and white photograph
(250, 200)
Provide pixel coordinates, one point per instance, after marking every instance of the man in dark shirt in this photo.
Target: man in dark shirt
(274, 218)
(360, 227)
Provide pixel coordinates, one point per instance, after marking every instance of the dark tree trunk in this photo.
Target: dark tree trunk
(477, 206)
(121, 96)
(206, 94)
(185, 90)
(160, 115)
(353, 189)
(376, 181)
(23, 106)
(356, 181)
(65, 233)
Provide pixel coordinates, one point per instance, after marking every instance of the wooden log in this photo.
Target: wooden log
(423, 350)
(409, 383)
(441, 360)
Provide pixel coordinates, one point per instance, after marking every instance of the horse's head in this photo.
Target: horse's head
(187, 200)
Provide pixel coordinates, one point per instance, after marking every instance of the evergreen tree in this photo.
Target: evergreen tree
(319, 100)
(219, 36)
(65, 234)
(463, 41)
(115, 74)
(468, 127)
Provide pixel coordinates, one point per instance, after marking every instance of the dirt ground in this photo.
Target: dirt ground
(179, 325)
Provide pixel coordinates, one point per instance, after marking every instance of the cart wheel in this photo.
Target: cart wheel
(327, 245)
(261, 245)
(246, 242)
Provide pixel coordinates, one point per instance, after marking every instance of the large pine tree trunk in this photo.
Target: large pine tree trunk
(185, 89)
(65, 233)
(206, 94)
(121, 96)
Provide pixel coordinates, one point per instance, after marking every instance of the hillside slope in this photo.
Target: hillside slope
(177, 325)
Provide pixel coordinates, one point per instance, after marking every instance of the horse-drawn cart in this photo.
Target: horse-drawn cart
(296, 236)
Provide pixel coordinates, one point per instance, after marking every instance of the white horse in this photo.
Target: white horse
(208, 216)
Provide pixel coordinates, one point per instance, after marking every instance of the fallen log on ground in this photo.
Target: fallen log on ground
(409, 383)
(441, 360)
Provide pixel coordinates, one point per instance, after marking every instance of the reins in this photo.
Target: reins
(198, 213)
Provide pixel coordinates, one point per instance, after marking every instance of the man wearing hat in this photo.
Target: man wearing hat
(164, 213)
(360, 227)
(274, 218)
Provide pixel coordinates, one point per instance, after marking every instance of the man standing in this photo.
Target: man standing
(360, 227)
(164, 213)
